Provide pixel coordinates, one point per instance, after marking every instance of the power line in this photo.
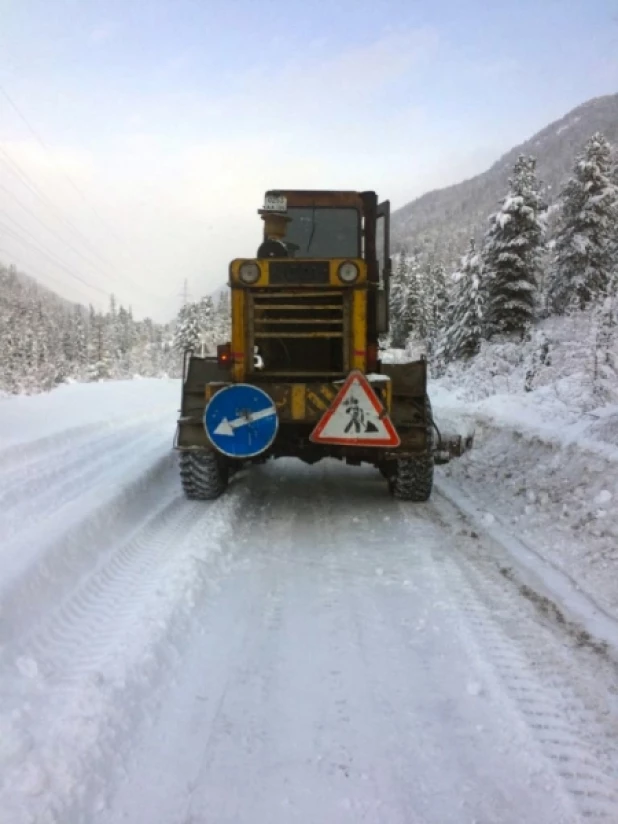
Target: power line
(29, 183)
(65, 174)
(50, 256)
(42, 223)
(24, 177)
(40, 279)
(59, 237)
(30, 235)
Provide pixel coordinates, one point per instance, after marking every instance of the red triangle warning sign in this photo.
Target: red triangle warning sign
(356, 417)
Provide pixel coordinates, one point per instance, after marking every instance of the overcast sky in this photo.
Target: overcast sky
(151, 128)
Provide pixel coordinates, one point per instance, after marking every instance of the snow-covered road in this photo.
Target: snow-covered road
(305, 649)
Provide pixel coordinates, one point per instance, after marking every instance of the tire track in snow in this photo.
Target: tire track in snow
(31, 496)
(45, 558)
(353, 728)
(66, 452)
(106, 606)
(567, 710)
(87, 672)
(19, 459)
(335, 687)
(417, 565)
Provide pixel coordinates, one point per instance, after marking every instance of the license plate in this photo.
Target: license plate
(275, 203)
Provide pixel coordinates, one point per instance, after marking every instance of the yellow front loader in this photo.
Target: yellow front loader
(301, 376)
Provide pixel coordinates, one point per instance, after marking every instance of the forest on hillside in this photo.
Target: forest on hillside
(46, 341)
(442, 221)
(535, 261)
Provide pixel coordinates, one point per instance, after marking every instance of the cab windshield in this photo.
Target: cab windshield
(324, 232)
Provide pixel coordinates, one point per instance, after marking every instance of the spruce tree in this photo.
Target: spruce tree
(126, 341)
(445, 340)
(424, 299)
(223, 318)
(440, 298)
(207, 322)
(206, 314)
(605, 360)
(100, 366)
(466, 327)
(397, 302)
(413, 296)
(434, 303)
(512, 253)
(582, 262)
(410, 308)
(187, 332)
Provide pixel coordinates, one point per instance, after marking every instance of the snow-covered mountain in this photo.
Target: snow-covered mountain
(443, 220)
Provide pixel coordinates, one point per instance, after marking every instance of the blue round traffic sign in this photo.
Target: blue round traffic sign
(241, 420)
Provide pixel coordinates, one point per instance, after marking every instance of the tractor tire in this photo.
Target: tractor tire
(203, 474)
(413, 477)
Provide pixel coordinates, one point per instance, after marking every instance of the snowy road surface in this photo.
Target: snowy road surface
(305, 649)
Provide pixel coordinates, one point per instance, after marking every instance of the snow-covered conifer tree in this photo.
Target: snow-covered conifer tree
(582, 261)
(397, 302)
(411, 300)
(605, 356)
(435, 306)
(207, 322)
(414, 306)
(424, 301)
(466, 327)
(440, 298)
(512, 251)
(206, 313)
(187, 332)
(222, 324)
(100, 360)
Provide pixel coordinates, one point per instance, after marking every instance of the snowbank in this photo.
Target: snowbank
(76, 406)
(545, 460)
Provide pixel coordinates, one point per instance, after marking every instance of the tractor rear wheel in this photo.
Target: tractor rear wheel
(204, 474)
(413, 479)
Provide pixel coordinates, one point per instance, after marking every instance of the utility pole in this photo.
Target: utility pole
(185, 293)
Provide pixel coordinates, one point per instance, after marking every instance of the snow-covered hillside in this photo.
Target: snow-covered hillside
(443, 220)
(546, 447)
(45, 341)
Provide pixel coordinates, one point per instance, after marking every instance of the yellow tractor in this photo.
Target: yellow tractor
(301, 376)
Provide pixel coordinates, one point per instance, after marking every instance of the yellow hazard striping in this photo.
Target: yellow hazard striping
(298, 401)
(317, 401)
(328, 393)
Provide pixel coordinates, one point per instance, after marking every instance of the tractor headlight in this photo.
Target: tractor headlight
(249, 273)
(348, 272)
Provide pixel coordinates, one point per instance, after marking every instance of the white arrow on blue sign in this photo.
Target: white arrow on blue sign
(241, 421)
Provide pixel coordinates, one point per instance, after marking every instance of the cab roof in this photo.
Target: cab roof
(326, 197)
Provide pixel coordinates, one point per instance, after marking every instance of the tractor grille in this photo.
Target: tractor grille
(294, 273)
(298, 315)
(300, 333)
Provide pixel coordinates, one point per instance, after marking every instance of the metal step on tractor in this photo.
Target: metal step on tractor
(301, 376)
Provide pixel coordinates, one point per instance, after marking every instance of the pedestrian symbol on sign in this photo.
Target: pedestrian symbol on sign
(358, 419)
